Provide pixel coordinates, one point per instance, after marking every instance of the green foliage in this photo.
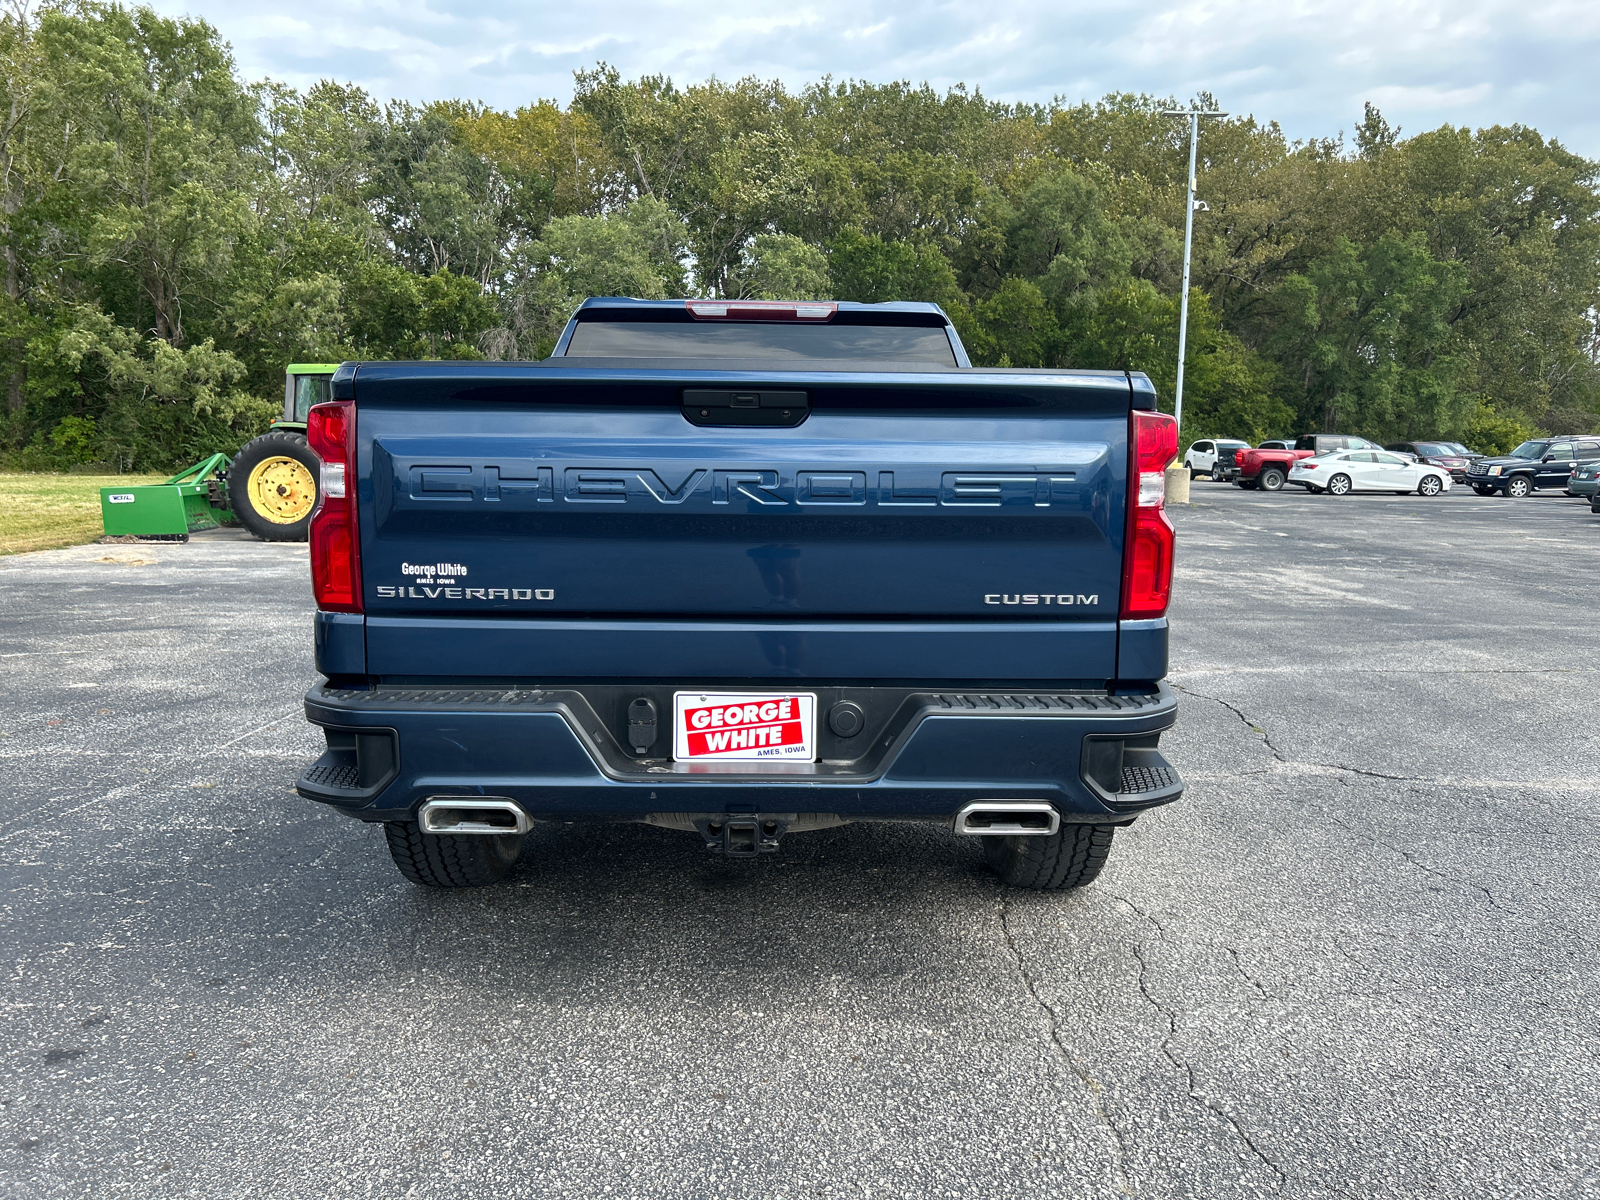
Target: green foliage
(138, 402)
(633, 252)
(74, 439)
(1490, 433)
(781, 266)
(1371, 327)
(865, 268)
(171, 237)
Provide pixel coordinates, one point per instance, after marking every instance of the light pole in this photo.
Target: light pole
(1194, 115)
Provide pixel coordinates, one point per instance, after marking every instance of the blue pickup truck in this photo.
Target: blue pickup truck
(743, 570)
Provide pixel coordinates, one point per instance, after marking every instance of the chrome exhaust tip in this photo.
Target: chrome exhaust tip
(1008, 818)
(457, 815)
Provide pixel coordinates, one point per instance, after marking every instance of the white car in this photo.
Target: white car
(1343, 471)
(1202, 456)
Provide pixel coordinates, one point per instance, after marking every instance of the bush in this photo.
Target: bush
(1490, 433)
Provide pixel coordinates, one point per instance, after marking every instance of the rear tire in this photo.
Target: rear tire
(1069, 858)
(448, 860)
(1339, 485)
(1271, 479)
(272, 486)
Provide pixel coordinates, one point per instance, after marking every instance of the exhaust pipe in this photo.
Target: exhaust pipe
(457, 815)
(1008, 818)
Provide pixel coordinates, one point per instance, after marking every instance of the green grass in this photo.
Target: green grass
(45, 512)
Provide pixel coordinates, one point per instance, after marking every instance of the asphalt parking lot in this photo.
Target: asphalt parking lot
(1358, 959)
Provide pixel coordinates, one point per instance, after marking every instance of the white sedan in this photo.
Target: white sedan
(1344, 471)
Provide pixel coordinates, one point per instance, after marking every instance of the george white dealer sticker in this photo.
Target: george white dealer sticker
(714, 726)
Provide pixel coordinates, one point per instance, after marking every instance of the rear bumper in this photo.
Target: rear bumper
(922, 756)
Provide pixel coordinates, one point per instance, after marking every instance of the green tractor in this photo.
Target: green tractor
(272, 481)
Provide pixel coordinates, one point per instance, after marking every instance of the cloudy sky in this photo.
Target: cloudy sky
(1307, 63)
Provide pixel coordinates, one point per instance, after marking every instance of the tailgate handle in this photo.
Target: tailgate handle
(745, 407)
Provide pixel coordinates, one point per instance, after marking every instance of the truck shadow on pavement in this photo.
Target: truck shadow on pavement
(597, 905)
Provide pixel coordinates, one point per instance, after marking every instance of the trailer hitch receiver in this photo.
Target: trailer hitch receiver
(742, 835)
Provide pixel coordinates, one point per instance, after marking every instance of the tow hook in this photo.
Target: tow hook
(742, 835)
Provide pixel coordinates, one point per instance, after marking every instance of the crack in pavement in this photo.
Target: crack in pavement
(1412, 859)
(1406, 855)
(1238, 966)
(1266, 739)
(1182, 1064)
(1119, 1150)
(1238, 712)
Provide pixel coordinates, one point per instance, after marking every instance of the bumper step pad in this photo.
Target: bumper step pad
(1147, 779)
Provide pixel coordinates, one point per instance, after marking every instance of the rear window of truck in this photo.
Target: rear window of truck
(766, 340)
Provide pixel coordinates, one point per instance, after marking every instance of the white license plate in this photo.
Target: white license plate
(741, 726)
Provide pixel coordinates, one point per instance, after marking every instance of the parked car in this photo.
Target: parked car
(1267, 468)
(1209, 456)
(1436, 454)
(1585, 481)
(1277, 444)
(1469, 455)
(1340, 473)
(1540, 463)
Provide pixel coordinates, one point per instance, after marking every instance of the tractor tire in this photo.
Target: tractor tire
(1069, 858)
(445, 860)
(272, 486)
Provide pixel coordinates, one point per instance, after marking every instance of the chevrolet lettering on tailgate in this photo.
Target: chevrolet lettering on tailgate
(512, 480)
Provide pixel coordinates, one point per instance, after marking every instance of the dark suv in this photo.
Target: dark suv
(1541, 463)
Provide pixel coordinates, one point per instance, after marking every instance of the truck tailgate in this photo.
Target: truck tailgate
(561, 521)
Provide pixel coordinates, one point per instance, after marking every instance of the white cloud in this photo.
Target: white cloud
(1306, 63)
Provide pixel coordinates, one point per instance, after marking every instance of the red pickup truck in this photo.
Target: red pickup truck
(1267, 466)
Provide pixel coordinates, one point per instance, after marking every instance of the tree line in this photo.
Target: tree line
(174, 235)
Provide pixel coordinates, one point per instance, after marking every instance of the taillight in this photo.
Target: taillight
(1147, 556)
(760, 310)
(335, 549)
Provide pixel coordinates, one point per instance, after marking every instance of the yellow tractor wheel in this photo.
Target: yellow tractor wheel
(282, 490)
(272, 486)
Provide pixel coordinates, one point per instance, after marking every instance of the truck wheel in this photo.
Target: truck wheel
(1069, 858)
(1483, 489)
(1339, 485)
(1518, 486)
(272, 486)
(448, 860)
(1270, 480)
